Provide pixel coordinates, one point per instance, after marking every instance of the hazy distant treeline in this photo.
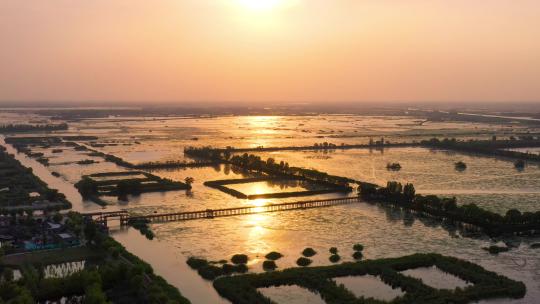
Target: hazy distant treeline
(28, 127)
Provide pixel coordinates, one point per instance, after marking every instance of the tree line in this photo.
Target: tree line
(29, 127)
(495, 147)
(493, 223)
(269, 166)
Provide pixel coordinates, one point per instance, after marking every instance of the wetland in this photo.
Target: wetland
(492, 183)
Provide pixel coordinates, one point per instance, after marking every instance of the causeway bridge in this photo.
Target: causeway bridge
(124, 217)
(103, 217)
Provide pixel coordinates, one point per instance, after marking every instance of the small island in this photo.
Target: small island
(393, 167)
(460, 166)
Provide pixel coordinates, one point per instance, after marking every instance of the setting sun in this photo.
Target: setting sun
(261, 5)
(270, 151)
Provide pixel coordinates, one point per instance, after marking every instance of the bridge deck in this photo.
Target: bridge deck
(106, 213)
(212, 213)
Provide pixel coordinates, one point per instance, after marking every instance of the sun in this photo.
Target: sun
(260, 5)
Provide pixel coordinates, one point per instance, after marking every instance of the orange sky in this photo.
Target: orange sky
(277, 50)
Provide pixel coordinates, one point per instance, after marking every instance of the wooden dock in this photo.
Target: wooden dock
(124, 217)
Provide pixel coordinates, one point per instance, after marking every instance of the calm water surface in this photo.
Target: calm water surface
(369, 286)
(291, 295)
(436, 278)
(491, 183)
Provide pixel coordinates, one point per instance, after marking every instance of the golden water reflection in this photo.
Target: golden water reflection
(260, 126)
(259, 204)
(257, 231)
(256, 244)
(264, 187)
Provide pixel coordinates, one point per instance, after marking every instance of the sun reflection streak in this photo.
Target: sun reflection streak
(257, 235)
(262, 125)
(259, 204)
(258, 209)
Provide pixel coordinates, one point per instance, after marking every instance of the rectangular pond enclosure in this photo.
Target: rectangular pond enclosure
(243, 289)
(436, 278)
(291, 294)
(263, 187)
(369, 286)
(269, 187)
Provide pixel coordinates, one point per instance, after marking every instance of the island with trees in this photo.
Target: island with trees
(272, 168)
(460, 166)
(122, 184)
(393, 167)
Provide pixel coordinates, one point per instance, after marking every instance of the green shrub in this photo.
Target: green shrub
(210, 272)
(239, 259)
(334, 258)
(241, 268)
(309, 252)
(274, 256)
(125, 187)
(148, 234)
(86, 187)
(358, 247)
(357, 255)
(460, 166)
(333, 250)
(196, 263)
(144, 229)
(393, 166)
(302, 261)
(228, 268)
(493, 249)
(269, 265)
